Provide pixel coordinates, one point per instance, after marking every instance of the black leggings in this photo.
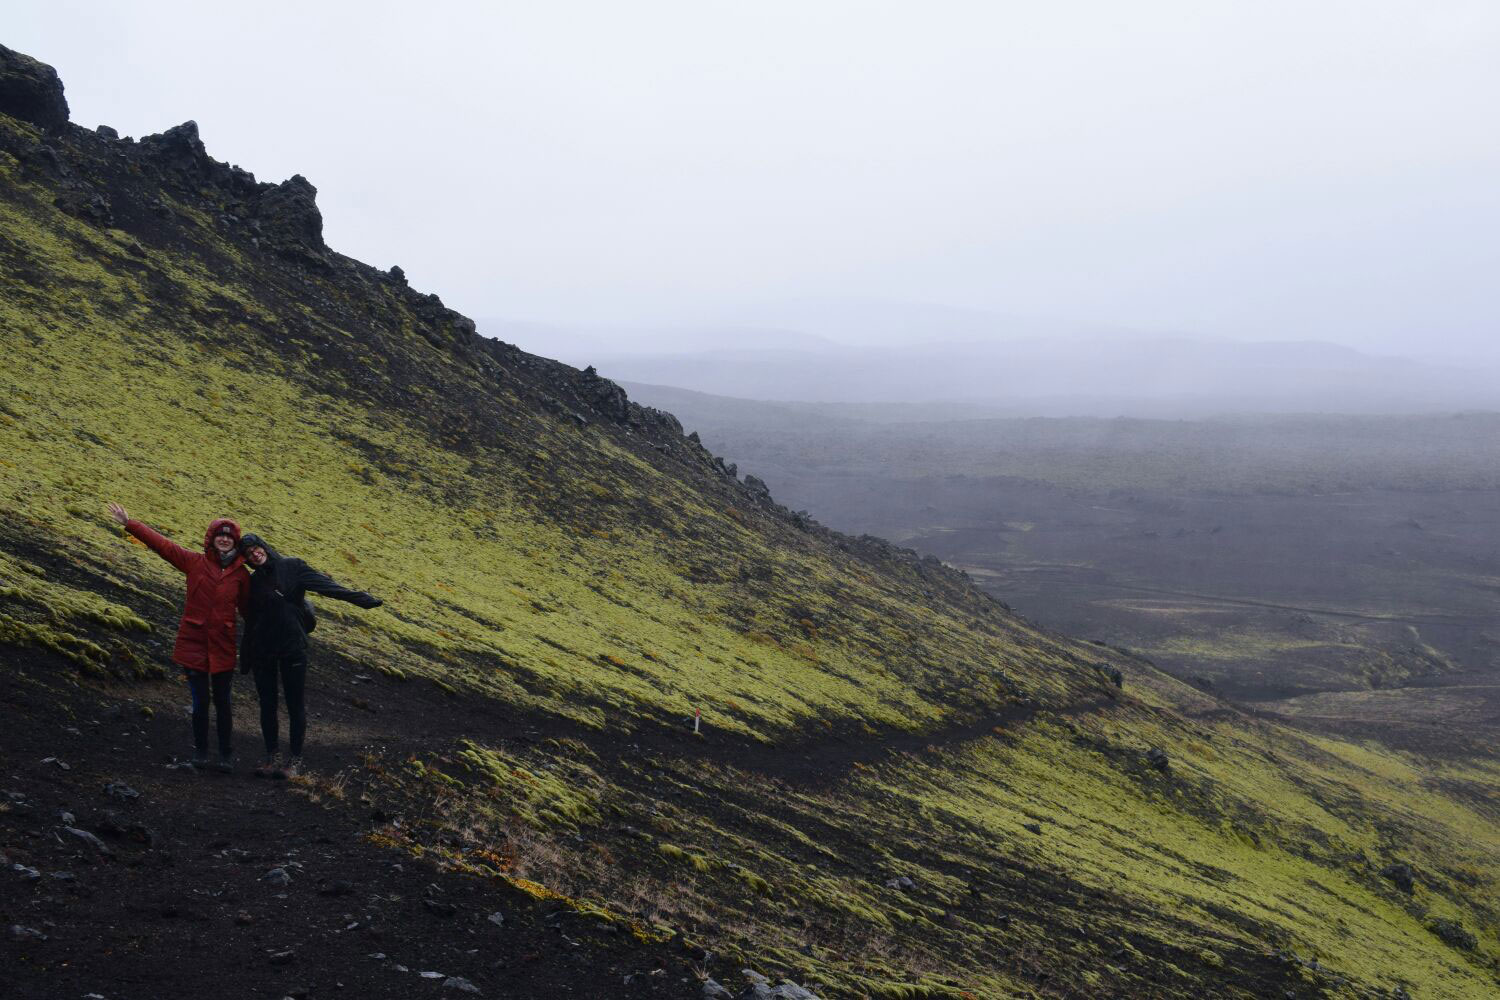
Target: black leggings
(200, 683)
(292, 671)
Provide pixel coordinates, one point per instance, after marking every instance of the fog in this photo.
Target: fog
(660, 177)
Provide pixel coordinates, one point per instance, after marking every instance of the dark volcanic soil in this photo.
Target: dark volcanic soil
(178, 903)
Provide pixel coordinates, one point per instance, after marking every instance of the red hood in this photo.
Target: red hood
(213, 529)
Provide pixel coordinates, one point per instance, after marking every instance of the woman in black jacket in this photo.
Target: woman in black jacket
(274, 646)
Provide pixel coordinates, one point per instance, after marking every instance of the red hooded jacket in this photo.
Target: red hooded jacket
(206, 637)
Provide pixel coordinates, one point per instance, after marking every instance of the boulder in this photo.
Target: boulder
(178, 148)
(1401, 876)
(290, 212)
(90, 206)
(1452, 932)
(31, 91)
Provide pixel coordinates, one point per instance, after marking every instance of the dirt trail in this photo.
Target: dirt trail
(175, 899)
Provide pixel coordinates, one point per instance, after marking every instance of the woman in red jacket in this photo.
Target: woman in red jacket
(218, 585)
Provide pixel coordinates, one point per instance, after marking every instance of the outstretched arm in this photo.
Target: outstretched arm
(156, 542)
(318, 583)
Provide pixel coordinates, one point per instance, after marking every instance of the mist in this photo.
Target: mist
(675, 177)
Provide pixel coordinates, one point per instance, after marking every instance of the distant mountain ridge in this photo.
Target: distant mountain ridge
(1066, 374)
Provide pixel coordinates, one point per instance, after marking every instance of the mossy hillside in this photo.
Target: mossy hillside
(585, 582)
(1051, 847)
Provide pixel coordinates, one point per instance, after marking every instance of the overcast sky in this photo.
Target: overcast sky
(1256, 169)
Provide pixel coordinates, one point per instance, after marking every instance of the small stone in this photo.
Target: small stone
(439, 907)
(243, 918)
(89, 839)
(25, 872)
(1157, 758)
(19, 933)
(277, 876)
(379, 956)
(116, 790)
(497, 918)
(789, 990)
(459, 983)
(66, 817)
(432, 975)
(1033, 827)
(713, 991)
(283, 957)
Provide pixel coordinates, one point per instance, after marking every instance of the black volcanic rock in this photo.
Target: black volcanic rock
(290, 212)
(1402, 876)
(31, 91)
(178, 148)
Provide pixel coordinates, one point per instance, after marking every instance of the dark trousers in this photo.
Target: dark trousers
(291, 672)
(204, 686)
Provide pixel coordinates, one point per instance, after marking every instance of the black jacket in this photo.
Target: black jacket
(272, 626)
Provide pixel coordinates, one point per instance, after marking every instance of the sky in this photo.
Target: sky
(1246, 170)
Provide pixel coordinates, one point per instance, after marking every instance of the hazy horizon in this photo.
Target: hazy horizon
(1278, 171)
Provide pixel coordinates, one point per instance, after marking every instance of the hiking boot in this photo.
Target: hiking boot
(225, 764)
(291, 768)
(268, 767)
(200, 760)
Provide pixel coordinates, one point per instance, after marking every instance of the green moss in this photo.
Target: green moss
(557, 571)
(548, 794)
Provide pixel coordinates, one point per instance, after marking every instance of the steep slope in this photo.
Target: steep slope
(901, 789)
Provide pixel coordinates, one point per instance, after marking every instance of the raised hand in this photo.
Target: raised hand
(118, 513)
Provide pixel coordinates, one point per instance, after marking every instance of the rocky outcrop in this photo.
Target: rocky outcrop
(31, 91)
(179, 149)
(289, 213)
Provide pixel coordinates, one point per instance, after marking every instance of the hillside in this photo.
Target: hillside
(901, 789)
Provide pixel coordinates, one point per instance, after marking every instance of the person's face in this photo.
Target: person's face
(255, 555)
(224, 543)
